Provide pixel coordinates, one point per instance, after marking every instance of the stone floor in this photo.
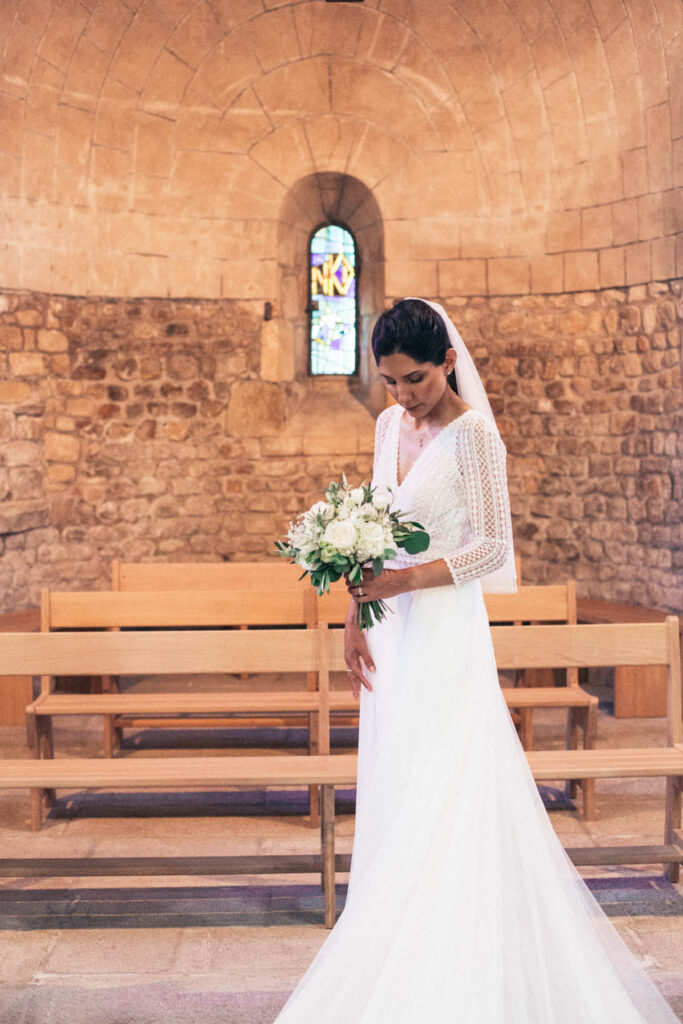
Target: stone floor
(228, 950)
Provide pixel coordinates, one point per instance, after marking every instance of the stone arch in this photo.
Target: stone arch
(315, 199)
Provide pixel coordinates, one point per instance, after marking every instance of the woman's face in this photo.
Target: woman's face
(418, 387)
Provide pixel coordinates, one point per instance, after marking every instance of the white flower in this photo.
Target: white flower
(372, 540)
(357, 495)
(341, 535)
(381, 501)
(319, 509)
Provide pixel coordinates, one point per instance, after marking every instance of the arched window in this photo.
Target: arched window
(332, 301)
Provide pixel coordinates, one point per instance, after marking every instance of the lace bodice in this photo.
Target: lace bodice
(457, 489)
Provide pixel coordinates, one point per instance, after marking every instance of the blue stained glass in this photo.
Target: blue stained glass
(333, 301)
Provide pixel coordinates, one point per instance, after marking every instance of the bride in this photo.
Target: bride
(462, 907)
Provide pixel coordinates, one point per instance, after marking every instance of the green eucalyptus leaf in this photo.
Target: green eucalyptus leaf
(416, 542)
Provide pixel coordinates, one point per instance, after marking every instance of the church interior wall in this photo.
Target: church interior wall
(161, 168)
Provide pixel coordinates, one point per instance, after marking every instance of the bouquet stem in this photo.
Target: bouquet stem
(370, 612)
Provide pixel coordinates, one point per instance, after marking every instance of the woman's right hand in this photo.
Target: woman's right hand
(356, 654)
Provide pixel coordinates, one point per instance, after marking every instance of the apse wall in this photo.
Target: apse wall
(160, 167)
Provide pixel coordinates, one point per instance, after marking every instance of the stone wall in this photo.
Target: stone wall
(141, 429)
(586, 389)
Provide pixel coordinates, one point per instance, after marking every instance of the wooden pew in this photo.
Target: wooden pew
(174, 609)
(515, 647)
(275, 574)
(639, 691)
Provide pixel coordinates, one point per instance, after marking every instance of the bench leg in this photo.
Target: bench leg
(526, 728)
(45, 749)
(589, 809)
(327, 840)
(672, 828)
(36, 809)
(313, 791)
(111, 736)
(572, 744)
(583, 722)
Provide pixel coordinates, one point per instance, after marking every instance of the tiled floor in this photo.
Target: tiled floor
(228, 950)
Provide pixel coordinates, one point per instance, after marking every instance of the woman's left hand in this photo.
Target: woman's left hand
(389, 583)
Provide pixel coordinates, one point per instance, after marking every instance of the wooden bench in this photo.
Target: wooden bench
(538, 646)
(639, 691)
(548, 604)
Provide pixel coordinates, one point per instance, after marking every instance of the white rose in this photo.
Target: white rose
(319, 509)
(357, 495)
(381, 501)
(341, 535)
(372, 541)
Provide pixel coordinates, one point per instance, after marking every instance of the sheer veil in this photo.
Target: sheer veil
(471, 390)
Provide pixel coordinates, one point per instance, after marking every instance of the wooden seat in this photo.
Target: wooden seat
(553, 646)
(191, 772)
(289, 651)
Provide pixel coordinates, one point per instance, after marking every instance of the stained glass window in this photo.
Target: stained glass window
(332, 301)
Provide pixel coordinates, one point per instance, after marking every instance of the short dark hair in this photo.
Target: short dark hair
(417, 330)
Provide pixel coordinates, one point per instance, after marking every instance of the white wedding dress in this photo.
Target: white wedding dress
(462, 906)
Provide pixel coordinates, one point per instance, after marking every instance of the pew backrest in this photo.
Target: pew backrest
(271, 575)
(169, 608)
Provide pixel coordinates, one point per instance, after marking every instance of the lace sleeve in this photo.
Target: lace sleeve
(381, 427)
(482, 463)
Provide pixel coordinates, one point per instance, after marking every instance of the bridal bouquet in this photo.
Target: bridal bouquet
(352, 529)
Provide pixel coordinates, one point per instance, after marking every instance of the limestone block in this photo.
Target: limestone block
(580, 271)
(197, 33)
(625, 221)
(677, 174)
(200, 182)
(650, 216)
(612, 267)
(61, 447)
(52, 341)
(638, 264)
(547, 274)
(109, 171)
(153, 144)
(415, 65)
(20, 453)
(634, 164)
(296, 89)
(672, 211)
(462, 277)
(564, 231)
(596, 227)
(659, 149)
(411, 277)
(141, 43)
(10, 338)
(255, 408)
(285, 153)
(227, 70)
(508, 276)
(26, 364)
(166, 84)
(37, 166)
(17, 517)
(375, 154)
(361, 90)
(663, 258)
(60, 473)
(324, 29)
(116, 115)
(274, 39)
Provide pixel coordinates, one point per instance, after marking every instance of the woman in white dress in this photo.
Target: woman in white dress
(462, 906)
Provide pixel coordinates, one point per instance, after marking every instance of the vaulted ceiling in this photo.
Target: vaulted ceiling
(148, 145)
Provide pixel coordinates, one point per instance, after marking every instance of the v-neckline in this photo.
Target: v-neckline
(397, 444)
